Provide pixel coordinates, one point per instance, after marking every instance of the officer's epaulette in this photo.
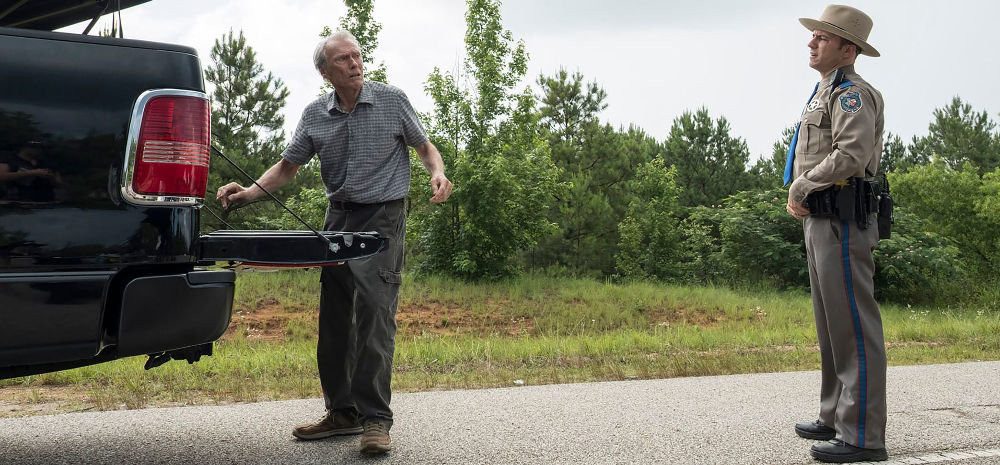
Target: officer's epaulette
(840, 80)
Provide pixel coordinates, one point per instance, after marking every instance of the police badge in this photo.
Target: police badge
(850, 102)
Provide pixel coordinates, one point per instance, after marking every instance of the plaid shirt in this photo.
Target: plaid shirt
(362, 153)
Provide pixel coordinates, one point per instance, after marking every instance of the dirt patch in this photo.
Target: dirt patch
(27, 401)
(417, 318)
(265, 302)
(20, 401)
(267, 320)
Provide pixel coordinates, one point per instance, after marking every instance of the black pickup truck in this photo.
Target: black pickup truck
(104, 154)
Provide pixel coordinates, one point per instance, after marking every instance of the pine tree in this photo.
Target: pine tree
(711, 164)
(958, 135)
(595, 162)
(246, 124)
(895, 156)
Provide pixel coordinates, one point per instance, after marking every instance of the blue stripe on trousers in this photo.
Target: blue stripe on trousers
(845, 247)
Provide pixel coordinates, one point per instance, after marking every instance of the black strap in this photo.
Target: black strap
(104, 7)
(325, 239)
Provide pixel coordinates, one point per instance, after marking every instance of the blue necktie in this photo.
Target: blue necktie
(795, 138)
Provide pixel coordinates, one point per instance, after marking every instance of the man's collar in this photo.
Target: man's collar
(837, 75)
(365, 96)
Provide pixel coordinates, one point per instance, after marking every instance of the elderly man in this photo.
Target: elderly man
(360, 132)
(837, 145)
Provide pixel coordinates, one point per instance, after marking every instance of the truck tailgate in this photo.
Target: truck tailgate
(288, 248)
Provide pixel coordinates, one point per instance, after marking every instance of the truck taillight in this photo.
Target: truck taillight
(169, 148)
(172, 154)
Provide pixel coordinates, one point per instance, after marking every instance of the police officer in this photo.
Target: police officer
(838, 138)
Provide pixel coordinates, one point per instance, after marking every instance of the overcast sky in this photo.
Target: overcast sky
(746, 61)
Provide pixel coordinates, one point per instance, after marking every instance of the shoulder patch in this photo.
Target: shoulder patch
(850, 102)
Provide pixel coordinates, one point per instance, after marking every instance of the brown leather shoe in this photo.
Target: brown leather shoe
(376, 439)
(332, 424)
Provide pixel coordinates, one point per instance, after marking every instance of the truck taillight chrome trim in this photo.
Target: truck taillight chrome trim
(167, 152)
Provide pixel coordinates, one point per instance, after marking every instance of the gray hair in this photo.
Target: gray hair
(319, 56)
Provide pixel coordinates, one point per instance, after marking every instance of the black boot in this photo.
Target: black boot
(839, 451)
(815, 430)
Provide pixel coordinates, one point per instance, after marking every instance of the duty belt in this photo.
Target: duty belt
(854, 199)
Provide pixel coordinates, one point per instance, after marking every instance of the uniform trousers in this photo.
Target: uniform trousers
(357, 316)
(849, 326)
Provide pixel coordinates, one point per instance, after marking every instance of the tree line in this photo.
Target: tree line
(542, 184)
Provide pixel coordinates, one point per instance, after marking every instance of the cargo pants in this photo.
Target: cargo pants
(357, 316)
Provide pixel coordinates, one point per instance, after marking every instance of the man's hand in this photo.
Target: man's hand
(234, 195)
(441, 187)
(231, 194)
(796, 209)
(431, 158)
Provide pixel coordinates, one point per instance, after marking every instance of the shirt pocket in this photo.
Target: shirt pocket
(818, 138)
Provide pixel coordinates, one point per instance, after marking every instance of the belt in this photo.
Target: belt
(351, 206)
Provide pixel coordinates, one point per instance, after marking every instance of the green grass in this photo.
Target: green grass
(536, 329)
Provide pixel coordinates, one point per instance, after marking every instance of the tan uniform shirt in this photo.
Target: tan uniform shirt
(840, 134)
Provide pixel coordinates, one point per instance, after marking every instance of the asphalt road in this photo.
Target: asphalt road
(937, 414)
